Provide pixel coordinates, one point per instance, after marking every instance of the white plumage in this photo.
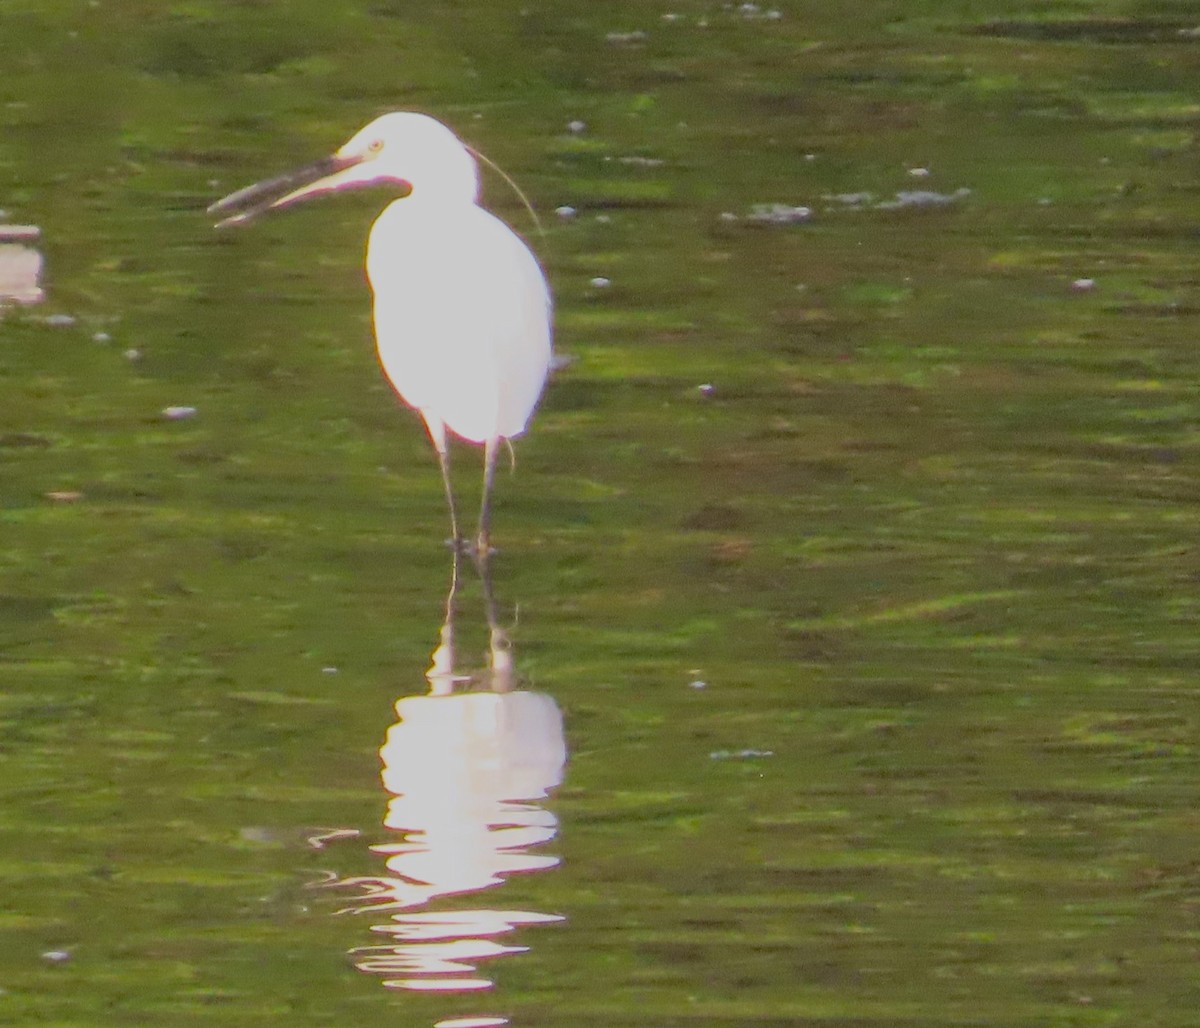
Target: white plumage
(473, 358)
(462, 308)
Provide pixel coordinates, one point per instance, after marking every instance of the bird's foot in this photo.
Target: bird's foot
(481, 550)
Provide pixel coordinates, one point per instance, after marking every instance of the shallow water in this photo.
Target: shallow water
(855, 549)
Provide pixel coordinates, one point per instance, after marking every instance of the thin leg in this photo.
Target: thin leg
(455, 535)
(437, 433)
(489, 597)
(483, 547)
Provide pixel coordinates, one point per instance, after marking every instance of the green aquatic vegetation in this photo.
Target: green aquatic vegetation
(857, 551)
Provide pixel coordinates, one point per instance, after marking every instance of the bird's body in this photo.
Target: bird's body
(462, 309)
(461, 317)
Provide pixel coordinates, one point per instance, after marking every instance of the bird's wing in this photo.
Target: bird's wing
(462, 317)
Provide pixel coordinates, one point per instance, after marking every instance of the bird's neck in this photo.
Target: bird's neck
(456, 183)
(440, 199)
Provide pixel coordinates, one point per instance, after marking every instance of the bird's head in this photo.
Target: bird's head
(413, 150)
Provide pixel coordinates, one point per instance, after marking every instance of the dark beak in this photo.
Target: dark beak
(248, 203)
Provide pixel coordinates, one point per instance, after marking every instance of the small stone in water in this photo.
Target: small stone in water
(699, 683)
(1082, 285)
(576, 126)
(132, 354)
(101, 337)
(919, 172)
(60, 320)
(922, 198)
(64, 495)
(707, 389)
(599, 282)
(728, 216)
(565, 211)
(56, 956)
(178, 413)
(18, 233)
(778, 214)
(636, 36)
(329, 671)
(851, 199)
(740, 754)
(260, 835)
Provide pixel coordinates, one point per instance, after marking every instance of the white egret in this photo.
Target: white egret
(462, 308)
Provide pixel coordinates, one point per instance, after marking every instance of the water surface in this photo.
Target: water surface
(856, 549)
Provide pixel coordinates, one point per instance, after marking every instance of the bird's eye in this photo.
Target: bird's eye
(375, 145)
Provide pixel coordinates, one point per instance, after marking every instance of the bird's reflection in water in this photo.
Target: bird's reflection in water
(466, 766)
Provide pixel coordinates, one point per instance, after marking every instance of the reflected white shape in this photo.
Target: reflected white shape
(457, 766)
(452, 923)
(20, 274)
(465, 770)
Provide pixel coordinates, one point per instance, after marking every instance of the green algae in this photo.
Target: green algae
(858, 552)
